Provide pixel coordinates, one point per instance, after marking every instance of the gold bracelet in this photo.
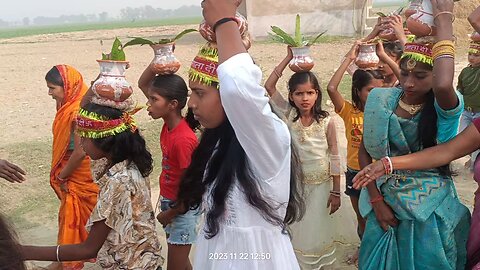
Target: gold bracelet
(443, 55)
(444, 46)
(438, 50)
(445, 12)
(443, 51)
(444, 42)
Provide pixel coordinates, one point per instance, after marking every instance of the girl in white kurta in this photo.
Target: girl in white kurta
(241, 170)
(315, 132)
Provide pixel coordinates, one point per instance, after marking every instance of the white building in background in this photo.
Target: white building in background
(338, 17)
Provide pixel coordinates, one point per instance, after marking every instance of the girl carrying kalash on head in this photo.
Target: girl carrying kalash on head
(122, 225)
(167, 96)
(70, 175)
(315, 133)
(241, 172)
(393, 49)
(415, 219)
(363, 81)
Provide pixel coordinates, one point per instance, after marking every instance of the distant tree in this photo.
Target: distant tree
(130, 13)
(72, 18)
(127, 14)
(41, 20)
(103, 17)
(149, 12)
(163, 13)
(187, 11)
(3, 24)
(26, 21)
(92, 17)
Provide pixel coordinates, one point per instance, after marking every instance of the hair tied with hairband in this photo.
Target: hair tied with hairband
(94, 126)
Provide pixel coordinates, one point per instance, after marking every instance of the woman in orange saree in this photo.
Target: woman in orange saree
(70, 175)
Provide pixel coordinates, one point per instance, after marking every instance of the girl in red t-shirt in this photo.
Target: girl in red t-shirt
(167, 96)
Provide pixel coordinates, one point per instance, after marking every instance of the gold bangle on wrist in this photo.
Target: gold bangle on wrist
(445, 42)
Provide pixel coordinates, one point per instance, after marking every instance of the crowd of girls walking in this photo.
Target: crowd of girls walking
(253, 181)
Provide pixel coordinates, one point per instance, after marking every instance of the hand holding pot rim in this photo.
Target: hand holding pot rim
(214, 10)
(441, 6)
(353, 52)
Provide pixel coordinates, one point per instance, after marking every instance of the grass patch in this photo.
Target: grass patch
(65, 28)
(35, 211)
(34, 156)
(150, 131)
(34, 202)
(345, 87)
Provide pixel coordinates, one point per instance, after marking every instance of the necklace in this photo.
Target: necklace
(411, 109)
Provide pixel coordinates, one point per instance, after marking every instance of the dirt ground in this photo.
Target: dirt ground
(27, 112)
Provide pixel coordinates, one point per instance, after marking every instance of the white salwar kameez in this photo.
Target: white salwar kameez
(246, 241)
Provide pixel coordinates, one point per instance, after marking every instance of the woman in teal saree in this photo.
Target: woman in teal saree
(414, 218)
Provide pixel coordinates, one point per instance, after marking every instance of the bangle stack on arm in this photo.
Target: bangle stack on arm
(443, 49)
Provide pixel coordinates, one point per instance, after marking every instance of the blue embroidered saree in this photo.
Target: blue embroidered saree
(433, 224)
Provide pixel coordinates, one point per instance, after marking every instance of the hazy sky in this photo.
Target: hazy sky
(12, 10)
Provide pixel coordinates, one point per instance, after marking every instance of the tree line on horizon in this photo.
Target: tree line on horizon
(126, 14)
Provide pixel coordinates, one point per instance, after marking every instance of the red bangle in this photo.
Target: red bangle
(387, 165)
(224, 20)
(376, 199)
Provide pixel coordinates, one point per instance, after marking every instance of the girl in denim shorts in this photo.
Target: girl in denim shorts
(167, 96)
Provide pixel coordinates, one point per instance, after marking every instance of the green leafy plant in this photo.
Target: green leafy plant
(143, 41)
(381, 14)
(297, 40)
(117, 53)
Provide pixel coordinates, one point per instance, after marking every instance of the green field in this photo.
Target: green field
(51, 29)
